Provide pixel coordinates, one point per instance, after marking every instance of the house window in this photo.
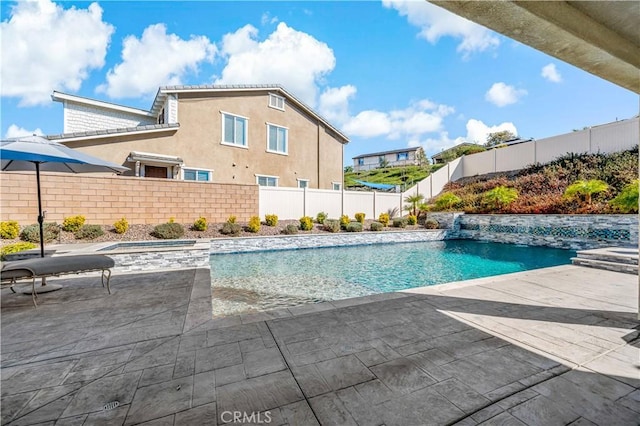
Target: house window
(198, 175)
(277, 139)
(276, 101)
(303, 183)
(234, 130)
(402, 156)
(267, 180)
(336, 186)
(360, 161)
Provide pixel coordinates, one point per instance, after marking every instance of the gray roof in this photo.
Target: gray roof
(393, 151)
(114, 132)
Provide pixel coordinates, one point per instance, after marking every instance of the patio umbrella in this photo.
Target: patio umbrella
(40, 154)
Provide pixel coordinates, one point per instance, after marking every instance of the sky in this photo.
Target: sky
(389, 74)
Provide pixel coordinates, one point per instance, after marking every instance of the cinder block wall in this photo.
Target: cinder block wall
(105, 199)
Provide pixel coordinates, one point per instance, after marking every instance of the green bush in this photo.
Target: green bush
(9, 230)
(376, 226)
(200, 224)
(321, 217)
(121, 226)
(271, 219)
(412, 220)
(232, 219)
(431, 224)
(585, 190)
(331, 225)
(500, 196)
(254, 224)
(290, 229)
(230, 228)
(384, 219)
(168, 231)
(627, 200)
(31, 233)
(400, 222)
(447, 201)
(360, 217)
(89, 232)
(306, 223)
(344, 221)
(15, 248)
(354, 227)
(73, 223)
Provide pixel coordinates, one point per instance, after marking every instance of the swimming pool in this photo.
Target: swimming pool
(252, 282)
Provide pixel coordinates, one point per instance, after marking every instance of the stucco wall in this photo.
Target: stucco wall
(561, 231)
(105, 199)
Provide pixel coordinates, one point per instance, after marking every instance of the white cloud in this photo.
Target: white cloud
(156, 59)
(47, 47)
(292, 58)
(268, 19)
(551, 73)
(15, 131)
(334, 103)
(420, 118)
(435, 22)
(501, 94)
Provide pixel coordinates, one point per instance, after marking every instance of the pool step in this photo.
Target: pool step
(617, 259)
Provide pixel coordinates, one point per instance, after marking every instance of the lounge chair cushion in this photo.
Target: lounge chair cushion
(46, 266)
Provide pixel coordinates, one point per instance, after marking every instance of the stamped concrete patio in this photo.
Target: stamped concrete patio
(545, 347)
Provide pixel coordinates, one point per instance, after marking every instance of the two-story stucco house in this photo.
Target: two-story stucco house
(393, 158)
(245, 134)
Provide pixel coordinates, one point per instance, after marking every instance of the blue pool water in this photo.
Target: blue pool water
(250, 282)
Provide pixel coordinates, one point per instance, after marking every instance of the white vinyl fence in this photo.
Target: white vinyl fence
(293, 203)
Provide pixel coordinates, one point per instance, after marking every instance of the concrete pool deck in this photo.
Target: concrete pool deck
(551, 346)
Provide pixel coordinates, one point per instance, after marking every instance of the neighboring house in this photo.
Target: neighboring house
(448, 154)
(394, 158)
(243, 134)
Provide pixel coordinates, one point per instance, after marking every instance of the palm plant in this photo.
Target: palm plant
(585, 189)
(627, 200)
(501, 196)
(413, 201)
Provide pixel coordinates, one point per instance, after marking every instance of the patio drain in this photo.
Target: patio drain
(111, 405)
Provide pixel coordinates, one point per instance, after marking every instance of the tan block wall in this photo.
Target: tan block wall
(105, 199)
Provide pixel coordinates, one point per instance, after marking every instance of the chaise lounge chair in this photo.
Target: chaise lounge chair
(55, 266)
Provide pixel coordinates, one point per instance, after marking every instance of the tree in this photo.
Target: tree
(501, 196)
(414, 200)
(383, 163)
(421, 157)
(497, 138)
(627, 200)
(585, 189)
(348, 169)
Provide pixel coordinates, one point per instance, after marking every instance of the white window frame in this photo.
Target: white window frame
(338, 184)
(303, 180)
(276, 178)
(404, 154)
(246, 130)
(286, 142)
(197, 169)
(274, 100)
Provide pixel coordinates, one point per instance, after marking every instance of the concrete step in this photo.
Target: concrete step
(611, 254)
(603, 264)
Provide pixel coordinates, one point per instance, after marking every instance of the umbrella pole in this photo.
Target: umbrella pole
(40, 216)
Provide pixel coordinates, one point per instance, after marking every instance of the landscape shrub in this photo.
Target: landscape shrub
(360, 217)
(200, 224)
(431, 224)
(231, 219)
(331, 225)
(290, 229)
(168, 231)
(15, 248)
(500, 196)
(121, 226)
(31, 233)
(306, 223)
(230, 228)
(376, 226)
(344, 221)
(447, 201)
(9, 230)
(627, 200)
(73, 223)
(585, 190)
(271, 219)
(354, 227)
(384, 219)
(254, 224)
(400, 222)
(412, 220)
(89, 232)
(393, 212)
(321, 217)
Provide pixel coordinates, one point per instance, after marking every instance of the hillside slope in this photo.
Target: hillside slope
(402, 176)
